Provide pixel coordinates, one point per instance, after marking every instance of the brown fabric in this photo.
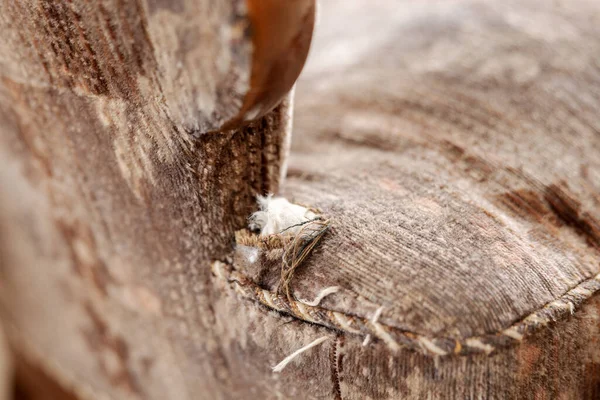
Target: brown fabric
(6, 368)
(561, 361)
(457, 154)
(113, 200)
(454, 144)
(464, 196)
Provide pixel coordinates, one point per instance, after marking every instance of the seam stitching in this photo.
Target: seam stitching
(559, 308)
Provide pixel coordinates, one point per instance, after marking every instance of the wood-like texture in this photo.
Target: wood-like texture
(459, 156)
(6, 368)
(454, 144)
(113, 199)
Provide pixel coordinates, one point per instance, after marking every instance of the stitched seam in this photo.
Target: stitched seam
(436, 346)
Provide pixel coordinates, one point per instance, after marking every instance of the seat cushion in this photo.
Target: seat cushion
(455, 151)
(460, 207)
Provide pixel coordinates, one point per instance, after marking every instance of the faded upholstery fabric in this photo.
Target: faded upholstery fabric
(455, 148)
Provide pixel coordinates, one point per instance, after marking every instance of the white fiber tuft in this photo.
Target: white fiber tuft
(277, 214)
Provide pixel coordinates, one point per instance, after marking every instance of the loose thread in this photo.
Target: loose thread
(377, 315)
(382, 333)
(300, 224)
(279, 367)
(297, 251)
(324, 293)
(374, 321)
(367, 340)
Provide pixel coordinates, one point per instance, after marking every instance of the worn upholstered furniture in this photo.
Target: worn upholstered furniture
(453, 147)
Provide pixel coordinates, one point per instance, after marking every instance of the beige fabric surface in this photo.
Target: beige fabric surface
(455, 148)
(463, 196)
(453, 145)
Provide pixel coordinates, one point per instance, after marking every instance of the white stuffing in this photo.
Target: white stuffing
(277, 214)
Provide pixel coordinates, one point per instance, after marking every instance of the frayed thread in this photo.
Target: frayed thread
(382, 333)
(279, 367)
(288, 232)
(324, 293)
(298, 250)
(367, 340)
(374, 320)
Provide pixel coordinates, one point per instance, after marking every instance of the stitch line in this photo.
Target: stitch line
(397, 338)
